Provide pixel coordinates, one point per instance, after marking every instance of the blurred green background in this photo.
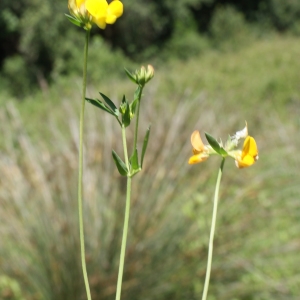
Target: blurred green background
(218, 63)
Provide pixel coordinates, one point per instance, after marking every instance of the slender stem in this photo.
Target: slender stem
(212, 231)
(124, 239)
(125, 146)
(80, 168)
(137, 118)
(126, 220)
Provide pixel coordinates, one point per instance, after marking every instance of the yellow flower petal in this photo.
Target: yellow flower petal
(110, 19)
(197, 142)
(250, 147)
(100, 22)
(97, 8)
(79, 3)
(198, 158)
(115, 8)
(249, 153)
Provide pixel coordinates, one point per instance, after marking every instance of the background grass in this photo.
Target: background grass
(257, 239)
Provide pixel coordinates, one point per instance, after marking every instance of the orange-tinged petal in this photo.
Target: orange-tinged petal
(198, 158)
(197, 142)
(249, 153)
(250, 147)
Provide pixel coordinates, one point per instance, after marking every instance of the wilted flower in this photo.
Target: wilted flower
(243, 158)
(95, 11)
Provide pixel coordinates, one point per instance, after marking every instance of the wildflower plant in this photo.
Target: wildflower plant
(132, 164)
(244, 157)
(85, 13)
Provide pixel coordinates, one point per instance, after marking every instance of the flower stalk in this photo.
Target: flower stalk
(212, 231)
(80, 169)
(131, 165)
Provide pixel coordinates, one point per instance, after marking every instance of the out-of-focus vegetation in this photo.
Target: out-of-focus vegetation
(256, 254)
(217, 64)
(38, 45)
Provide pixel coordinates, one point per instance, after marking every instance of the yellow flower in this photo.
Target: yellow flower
(201, 151)
(249, 155)
(96, 11)
(243, 158)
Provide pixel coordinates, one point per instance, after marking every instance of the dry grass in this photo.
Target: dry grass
(257, 242)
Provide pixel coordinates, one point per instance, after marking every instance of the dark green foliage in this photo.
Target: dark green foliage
(38, 43)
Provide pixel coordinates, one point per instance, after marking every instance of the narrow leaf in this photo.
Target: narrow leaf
(120, 164)
(145, 144)
(130, 76)
(215, 145)
(74, 21)
(110, 104)
(134, 160)
(99, 104)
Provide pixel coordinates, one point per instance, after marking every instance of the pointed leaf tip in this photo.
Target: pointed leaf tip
(215, 145)
(120, 164)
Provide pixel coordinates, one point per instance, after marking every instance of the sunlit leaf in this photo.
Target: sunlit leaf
(130, 76)
(99, 104)
(215, 145)
(110, 104)
(120, 164)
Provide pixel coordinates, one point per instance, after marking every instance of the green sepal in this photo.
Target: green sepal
(120, 164)
(74, 21)
(145, 144)
(125, 112)
(135, 161)
(101, 105)
(110, 104)
(215, 145)
(130, 76)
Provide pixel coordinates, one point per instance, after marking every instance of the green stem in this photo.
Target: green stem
(212, 231)
(126, 220)
(125, 146)
(137, 119)
(80, 168)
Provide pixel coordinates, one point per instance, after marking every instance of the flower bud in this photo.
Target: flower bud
(142, 76)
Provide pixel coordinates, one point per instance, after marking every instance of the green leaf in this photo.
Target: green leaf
(215, 145)
(130, 76)
(120, 164)
(74, 21)
(134, 161)
(99, 104)
(126, 114)
(110, 104)
(145, 144)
